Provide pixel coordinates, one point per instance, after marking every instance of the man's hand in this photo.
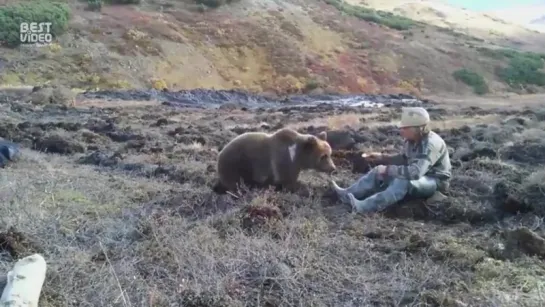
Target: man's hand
(372, 156)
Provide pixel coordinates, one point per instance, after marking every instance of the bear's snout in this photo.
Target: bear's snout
(329, 167)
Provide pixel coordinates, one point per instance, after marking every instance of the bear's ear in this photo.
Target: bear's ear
(322, 136)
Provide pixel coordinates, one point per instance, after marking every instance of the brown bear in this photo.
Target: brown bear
(260, 159)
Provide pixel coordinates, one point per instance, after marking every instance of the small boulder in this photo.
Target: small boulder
(340, 140)
(57, 143)
(479, 151)
(8, 152)
(527, 241)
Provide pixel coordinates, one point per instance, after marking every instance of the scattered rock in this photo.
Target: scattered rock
(506, 198)
(340, 140)
(516, 121)
(532, 152)
(17, 244)
(63, 96)
(51, 95)
(527, 241)
(101, 159)
(60, 144)
(160, 122)
(40, 96)
(480, 151)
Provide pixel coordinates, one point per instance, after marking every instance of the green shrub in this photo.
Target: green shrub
(510, 53)
(472, 79)
(12, 16)
(213, 3)
(94, 5)
(523, 70)
(379, 17)
(123, 1)
(312, 84)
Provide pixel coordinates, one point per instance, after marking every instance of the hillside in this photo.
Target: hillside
(487, 26)
(264, 46)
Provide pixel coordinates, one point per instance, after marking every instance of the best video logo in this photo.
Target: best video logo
(38, 33)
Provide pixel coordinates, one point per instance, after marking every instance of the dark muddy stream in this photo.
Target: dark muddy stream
(205, 98)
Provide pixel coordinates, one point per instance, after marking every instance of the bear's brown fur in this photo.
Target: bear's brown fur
(260, 159)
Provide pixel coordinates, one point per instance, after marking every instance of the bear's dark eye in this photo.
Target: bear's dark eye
(323, 157)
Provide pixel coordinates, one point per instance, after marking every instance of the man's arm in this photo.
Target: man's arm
(394, 159)
(418, 166)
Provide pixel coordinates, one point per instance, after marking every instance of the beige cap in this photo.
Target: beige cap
(413, 117)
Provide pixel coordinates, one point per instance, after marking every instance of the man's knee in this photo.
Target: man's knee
(400, 187)
(423, 187)
(370, 175)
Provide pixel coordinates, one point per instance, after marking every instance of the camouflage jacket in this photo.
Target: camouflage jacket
(428, 157)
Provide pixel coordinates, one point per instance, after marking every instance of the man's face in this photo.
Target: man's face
(409, 133)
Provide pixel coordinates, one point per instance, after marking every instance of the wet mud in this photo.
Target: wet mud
(206, 98)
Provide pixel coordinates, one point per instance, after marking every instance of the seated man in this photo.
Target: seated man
(422, 168)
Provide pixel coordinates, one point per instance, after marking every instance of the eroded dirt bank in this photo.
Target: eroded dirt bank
(127, 190)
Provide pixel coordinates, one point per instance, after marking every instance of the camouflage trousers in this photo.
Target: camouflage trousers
(385, 192)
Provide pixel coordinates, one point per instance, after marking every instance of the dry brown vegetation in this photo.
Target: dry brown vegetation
(279, 47)
(118, 200)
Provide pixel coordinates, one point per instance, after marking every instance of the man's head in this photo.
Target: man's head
(414, 123)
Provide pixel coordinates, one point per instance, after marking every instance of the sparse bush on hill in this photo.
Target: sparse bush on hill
(524, 67)
(94, 5)
(312, 84)
(214, 3)
(380, 17)
(472, 79)
(510, 53)
(123, 1)
(12, 16)
(523, 70)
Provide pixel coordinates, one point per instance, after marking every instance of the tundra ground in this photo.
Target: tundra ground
(118, 200)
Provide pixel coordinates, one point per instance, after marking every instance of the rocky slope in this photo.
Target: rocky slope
(264, 46)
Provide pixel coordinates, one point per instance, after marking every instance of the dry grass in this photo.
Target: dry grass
(333, 122)
(357, 121)
(136, 220)
(536, 178)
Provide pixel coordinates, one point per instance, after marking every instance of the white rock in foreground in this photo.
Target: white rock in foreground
(24, 282)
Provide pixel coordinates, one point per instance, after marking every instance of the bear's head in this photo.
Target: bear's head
(316, 153)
